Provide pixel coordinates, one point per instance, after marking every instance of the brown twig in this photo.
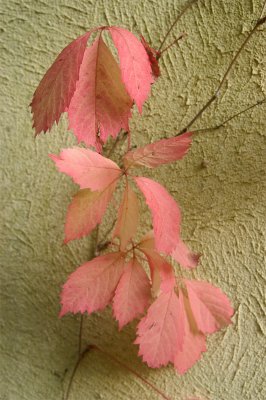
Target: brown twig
(181, 36)
(80, 334)
(258, 23)
(188, 5)
(212, 128)
(113, 358)
(80, 358)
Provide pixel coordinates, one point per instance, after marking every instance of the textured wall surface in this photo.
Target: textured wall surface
(220, 187)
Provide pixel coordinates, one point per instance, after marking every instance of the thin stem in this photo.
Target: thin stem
(128, 141)
(80, 334)
(118, 139)
(189, 4)
(211, 128)
(172, 44)
(259, 22)
(80, 358)
(132, 371)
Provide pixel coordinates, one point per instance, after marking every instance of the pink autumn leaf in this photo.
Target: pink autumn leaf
(86, 211)
(87, 168)
(161, 331)
(128, 217)
(132, 294)
(183, 255)
(100, 105)
(194, 341)
(161, 152)
(162, 273)
(55, 91)
(211, 308)
(165, 214)
(91, 287)
(166, 217)
(134, 64)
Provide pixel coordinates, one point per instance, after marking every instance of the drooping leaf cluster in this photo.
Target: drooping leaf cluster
(98, 93)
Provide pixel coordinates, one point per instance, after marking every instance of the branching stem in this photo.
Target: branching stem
(258, 23)
(212, 128)
(188, 5)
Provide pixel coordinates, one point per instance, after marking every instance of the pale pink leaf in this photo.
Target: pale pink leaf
(101, 105)
(165, 214)
(194, 341)
(132, 294)
(87, 168)
(128, 217)
(86, 211)
(91, 287)
(211, 308)
(183, 255)
(162, 273)
(55, 91)
(161, 331)
(134, 64)
(160, 152)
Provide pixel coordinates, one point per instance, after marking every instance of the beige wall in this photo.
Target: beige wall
(223, 204)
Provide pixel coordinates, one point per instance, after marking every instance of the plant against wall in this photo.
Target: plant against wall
(98, 94)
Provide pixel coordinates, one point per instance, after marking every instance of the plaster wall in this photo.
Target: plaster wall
(220, 187)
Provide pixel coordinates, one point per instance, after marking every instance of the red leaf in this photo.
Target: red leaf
(86, 211)
(91, 287)
(165, 214)
(162, 273)
(54, 93)
(161, 331)
(87, 168)
(194, 341)
(132, 294)
(128, 217)
(154, 56)
(100, 102)
(158, 153)
(210, 306)
(134, 65)
(166, 222)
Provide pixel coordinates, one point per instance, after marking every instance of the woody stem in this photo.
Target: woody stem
(188, 5)
(258, 23)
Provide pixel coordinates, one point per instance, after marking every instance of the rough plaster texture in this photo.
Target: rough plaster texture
(220, 186)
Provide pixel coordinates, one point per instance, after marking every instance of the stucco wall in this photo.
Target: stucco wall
(223, 204)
